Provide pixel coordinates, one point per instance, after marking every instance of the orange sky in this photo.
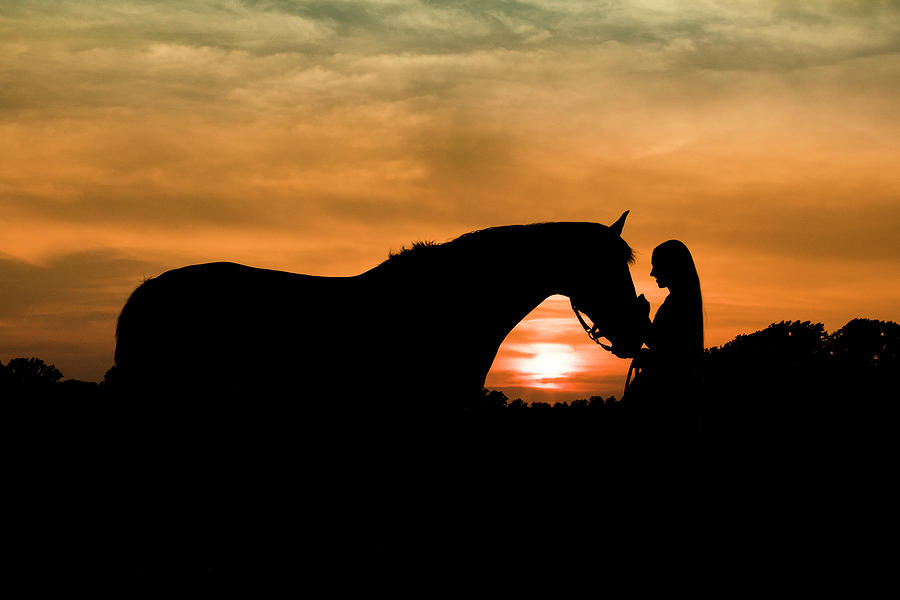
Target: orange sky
(315, 137)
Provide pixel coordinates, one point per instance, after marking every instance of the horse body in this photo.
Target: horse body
(425, 324)
(278, 414)
(221, 330)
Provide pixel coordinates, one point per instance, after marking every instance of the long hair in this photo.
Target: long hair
(684, 284)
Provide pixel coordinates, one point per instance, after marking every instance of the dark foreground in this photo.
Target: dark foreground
(785, 473)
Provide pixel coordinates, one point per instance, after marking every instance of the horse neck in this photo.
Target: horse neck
(483, 285)
(509, 302)
(475, 311)
(499, 296)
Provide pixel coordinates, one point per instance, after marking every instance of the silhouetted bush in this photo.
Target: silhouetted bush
(31, 372)
(796, 379)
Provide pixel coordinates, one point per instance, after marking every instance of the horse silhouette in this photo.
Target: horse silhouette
(418, 330)
(273, 418)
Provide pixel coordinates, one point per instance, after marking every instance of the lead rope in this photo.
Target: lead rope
(633, 369)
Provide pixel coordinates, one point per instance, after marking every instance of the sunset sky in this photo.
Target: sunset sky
(315, 137)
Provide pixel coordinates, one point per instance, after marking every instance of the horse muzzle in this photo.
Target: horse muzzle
(627, 342)
(626, 333)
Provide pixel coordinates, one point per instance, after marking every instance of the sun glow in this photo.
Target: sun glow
(549, 364)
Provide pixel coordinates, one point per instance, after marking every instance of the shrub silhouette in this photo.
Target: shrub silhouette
(866, 341)
(32, 372)
(795, 378)
(30, 377)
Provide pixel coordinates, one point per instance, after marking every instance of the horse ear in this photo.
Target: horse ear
(620, 224)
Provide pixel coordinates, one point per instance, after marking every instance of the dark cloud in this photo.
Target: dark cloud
(81, 283)
(64, 311)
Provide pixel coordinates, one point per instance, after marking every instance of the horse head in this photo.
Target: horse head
(605, 292)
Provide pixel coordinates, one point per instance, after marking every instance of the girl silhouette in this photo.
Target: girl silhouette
(667, 380)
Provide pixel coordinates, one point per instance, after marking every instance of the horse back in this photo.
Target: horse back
(224, 326)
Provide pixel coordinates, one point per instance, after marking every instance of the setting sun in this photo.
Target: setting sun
(549, 364)
(548, 357)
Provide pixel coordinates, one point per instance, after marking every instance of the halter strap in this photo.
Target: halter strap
(592, 332)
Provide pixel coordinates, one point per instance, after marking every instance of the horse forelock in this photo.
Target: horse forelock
(628, 253)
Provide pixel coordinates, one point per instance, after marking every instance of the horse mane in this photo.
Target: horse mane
(415, 250)
(423, 250)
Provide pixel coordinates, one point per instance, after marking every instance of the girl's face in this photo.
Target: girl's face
(659, 273)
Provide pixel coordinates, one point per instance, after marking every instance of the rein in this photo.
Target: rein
(593, 331)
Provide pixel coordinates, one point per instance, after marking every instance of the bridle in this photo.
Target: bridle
(595, 335)
(592, 331)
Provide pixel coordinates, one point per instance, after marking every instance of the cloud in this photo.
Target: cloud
(89, 276)
(315, 136)
(64, 311)
(138, 54)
